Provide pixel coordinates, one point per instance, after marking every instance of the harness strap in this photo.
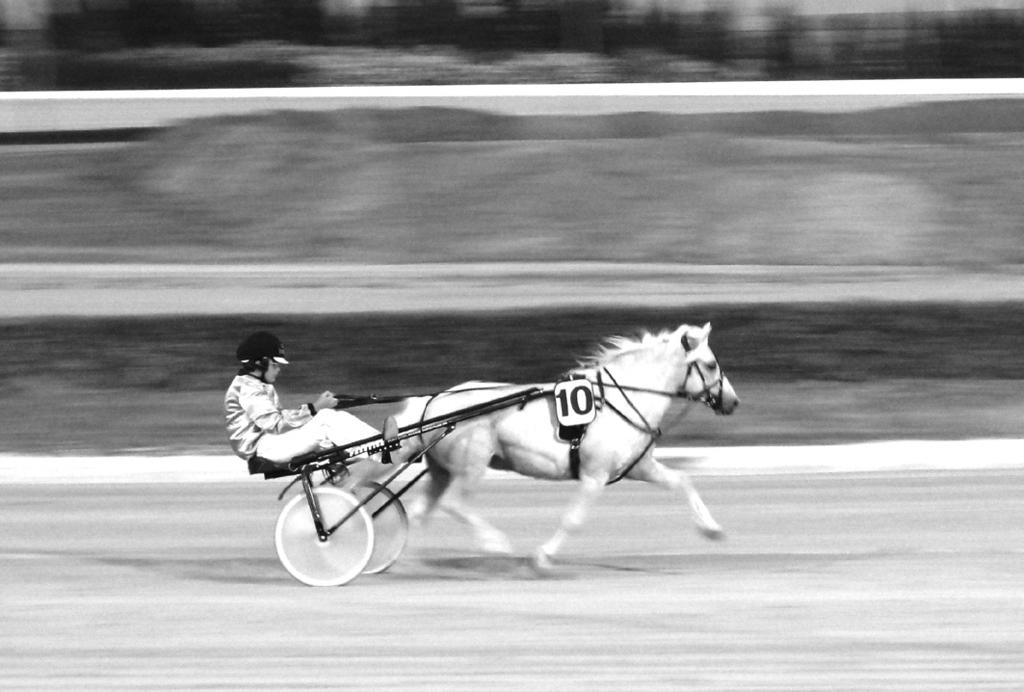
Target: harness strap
(645, 427)
(423, 416)
(574, 458)
(629, 467)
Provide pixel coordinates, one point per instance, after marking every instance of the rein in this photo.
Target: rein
(646, 428)
(705, 397)
(523, 397)
(354, 401)
(643, 426)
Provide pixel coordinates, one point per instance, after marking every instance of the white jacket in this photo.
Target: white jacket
(253, 409)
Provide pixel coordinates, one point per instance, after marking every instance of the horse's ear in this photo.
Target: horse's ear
(692, 342)
(686, 341)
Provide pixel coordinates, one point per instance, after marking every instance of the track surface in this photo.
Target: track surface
(827, 581)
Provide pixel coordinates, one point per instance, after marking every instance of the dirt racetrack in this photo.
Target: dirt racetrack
(826, 581)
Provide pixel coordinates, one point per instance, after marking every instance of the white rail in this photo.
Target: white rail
(68, 111)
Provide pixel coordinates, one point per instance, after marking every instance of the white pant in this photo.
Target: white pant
(326, 429)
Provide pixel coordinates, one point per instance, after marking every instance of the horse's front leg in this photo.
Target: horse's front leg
(676, 480)
(591, 488)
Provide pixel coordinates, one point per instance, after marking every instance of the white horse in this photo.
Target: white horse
(634, 383)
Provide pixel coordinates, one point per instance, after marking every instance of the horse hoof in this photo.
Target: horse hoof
(496, 545)
(542, 564)
(712, 533)
(498, 550)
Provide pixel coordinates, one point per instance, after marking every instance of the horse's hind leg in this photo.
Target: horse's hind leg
(437, 482)
(655, 472)
(488, 537)
(591, 488)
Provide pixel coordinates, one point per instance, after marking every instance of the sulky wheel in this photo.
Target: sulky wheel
(339, 559)
(390, 526)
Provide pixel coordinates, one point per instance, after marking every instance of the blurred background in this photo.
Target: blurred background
(867, 261)
(112, 44)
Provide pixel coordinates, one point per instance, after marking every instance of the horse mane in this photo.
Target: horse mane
(615, 347)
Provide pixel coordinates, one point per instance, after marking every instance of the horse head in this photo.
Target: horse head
(702, 377)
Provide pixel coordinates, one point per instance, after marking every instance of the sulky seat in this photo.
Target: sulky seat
(269, 469)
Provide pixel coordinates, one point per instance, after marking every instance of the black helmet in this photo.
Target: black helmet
(261, 345)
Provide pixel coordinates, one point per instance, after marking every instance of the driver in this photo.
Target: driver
(258, 426)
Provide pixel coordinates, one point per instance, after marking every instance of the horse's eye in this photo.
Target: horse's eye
(712, 367)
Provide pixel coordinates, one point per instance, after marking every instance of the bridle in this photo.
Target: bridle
(710, 393)
(706, 396)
